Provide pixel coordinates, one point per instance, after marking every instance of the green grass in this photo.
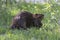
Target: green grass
(49, 31)
(31, 34)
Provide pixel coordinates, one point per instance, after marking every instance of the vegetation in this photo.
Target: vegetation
(51, 22)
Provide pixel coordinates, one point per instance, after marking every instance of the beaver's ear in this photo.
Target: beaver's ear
(39, 15)
(34, 15)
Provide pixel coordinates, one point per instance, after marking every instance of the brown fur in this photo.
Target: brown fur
(26, 19)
